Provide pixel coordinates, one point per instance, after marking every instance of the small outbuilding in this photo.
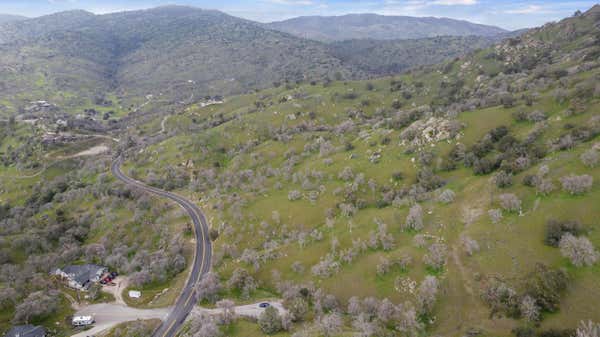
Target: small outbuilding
(135, 293)
(27, 330)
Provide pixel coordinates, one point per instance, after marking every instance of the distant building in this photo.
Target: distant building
(26, 331)
(81, 276)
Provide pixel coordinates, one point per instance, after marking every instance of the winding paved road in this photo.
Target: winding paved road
(202, 256)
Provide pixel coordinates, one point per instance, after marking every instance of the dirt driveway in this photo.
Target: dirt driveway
(107, 315)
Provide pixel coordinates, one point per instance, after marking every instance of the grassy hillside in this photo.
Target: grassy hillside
(439, 190)
(178, 56)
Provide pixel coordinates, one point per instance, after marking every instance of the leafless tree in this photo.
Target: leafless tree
(495, 215)
(330, 324)
(590, 158)
(509, 202)
(204, 326)
(208, 288)
(579, 250)
(227, 311)
(470, 246)
(427, 294)
(529, 309)
(577, 185)
(588, 329)
(447, 196)
(436, 256)
(414, 219)
(294, 195)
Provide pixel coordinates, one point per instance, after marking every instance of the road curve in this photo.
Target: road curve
(202, 253)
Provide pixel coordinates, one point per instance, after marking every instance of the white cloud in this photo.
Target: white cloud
(292, 2)
(455, 2)
(531, 9)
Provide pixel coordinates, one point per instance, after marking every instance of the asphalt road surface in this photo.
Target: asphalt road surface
(202, 256)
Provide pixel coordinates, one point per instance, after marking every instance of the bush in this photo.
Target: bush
(270, 321)
(555, 230)
(510, 202)
(503, 179)
(579, 250)
(590, 158)
(414, 219)
(546, 285)
(577, 185)
(436, 256)
(447, 196)
(294, 195)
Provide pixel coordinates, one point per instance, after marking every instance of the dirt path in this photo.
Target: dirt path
(107, 315)
(464, 274)
(162, 124)
(117, 290)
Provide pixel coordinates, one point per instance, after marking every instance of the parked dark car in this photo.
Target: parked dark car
(264, 305)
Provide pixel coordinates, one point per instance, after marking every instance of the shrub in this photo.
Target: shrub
(270, 321)
(447, 196)
(588, 329)
(529, 309)
(579, 250)
(414, 219)
(503, 179)
(509, 202)
(427, 294)
(294, 195)
(590, 158)
(470, 246)
(495, 215)
(545, 285)
(577, 185)
(555, 230)
(436, 256)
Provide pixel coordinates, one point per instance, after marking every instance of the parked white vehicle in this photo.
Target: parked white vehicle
(82, 320)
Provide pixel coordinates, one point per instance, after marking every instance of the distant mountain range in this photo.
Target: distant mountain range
(379, 27)
(74, 57)
(10, 18)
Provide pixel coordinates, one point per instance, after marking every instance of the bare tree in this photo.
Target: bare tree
(510, 202)
(436, 256)
(227, 311)
(204, 326)
(579, 250)
(495, 215)
(447, 196)
(208, 288)
(37, 305)
(529, 309)
(427, 294)
(577, 185)
(414, 219)
(330, 324)
(590, 158)
(470, 246)
(588, 329)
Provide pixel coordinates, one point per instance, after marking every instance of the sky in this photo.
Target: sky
(508, 14)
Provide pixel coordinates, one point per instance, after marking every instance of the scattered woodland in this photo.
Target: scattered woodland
(453, 199)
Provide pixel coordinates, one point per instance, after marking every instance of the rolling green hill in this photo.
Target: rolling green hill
(457, 199)
(180, 55)
(440, 190)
